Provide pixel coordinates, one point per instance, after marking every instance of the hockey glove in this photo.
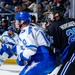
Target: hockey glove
(21, 60)
(7, 47)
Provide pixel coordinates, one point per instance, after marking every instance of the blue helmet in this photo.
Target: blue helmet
(11, 28)
(23, 16)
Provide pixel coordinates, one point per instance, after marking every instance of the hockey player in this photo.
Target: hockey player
(33, 52)
(10, 36)
(9, 39)
(62, 36)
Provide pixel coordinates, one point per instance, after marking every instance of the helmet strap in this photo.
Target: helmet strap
(22, 24)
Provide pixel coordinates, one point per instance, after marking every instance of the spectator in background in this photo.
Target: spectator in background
(13, 4)
(25, 7)
(20, 7)
(4, 17)
(48, 7)
(67, 7)
(16, 9)
(40, 11)
(8, 11)
(7, 6)
(3, 26)
(45, 2)
(32, 6)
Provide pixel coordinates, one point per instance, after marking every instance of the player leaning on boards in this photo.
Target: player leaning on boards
(31, 51)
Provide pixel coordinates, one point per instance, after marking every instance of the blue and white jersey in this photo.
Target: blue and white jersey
(31, 37)
(6, 38)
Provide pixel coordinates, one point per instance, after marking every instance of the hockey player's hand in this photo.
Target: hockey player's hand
(21, 60)
(7, 47)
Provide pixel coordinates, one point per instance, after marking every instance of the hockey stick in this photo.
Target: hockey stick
(12, 51)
